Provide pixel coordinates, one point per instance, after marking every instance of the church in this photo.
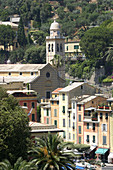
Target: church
(43, 78)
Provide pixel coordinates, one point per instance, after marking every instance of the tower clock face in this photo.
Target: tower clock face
(47, 74)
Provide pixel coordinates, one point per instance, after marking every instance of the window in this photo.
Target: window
(69, 123)
(47, 120)
(93, 126)
(47, 112)
(73, 125)
(63, 122)
(33, 105)
(67, 48)
(73, 136)
(106, 116)
(64, 135)
(79, 129)
(57, 102)
(57, 47)
(79, 107)
(48, 94)
(63, 96)
(93, 139)
(33, 117)
(9, 73)
(104, 140)
(55, 123)
(47, 74)
(87, 125)
(61, 47)
(73, 115)
(55, 95)
(55, 112)
(49, 47)
(104, 127)
(87, 138)
(101, 115)
(73, 105)
(69, 135)
(79, 139)
(52, 48)
(31, 73)
(63, 109)
(79, 118)
(52, 102)
(92, 102)
(81, 87)
(76, 46)
(20, 73)
(69, 114)
(25, 104)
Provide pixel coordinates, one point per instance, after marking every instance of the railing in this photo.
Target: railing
(104, 107)
(45, 100)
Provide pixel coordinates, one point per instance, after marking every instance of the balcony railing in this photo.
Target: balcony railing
(45, 100)
(104, 107)
(94, 118)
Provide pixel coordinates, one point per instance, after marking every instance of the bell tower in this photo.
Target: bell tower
(55, 46)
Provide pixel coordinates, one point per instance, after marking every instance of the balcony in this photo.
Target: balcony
(45, 101)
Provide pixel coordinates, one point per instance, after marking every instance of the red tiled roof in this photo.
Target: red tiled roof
(57, 90)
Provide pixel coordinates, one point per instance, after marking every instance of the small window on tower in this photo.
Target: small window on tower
(57, 47)
(61, 47)
(49, 47)
(52, 48)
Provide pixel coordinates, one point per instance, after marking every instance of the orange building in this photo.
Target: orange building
(104, 132)
(54, 102)
(87, 119)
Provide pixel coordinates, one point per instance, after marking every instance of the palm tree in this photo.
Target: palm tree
(19, 165)
(49, 153)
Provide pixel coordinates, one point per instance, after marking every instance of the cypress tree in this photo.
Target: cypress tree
(21, 38)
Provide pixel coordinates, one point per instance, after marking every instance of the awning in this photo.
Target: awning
(101, 151)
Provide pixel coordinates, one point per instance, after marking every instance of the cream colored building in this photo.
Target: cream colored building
(42, 78)
(66, 120)
(40, 129)
(110, 157)
(73, 51)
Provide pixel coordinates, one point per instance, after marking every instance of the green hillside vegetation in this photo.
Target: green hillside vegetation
(96, 44)
(75, 18)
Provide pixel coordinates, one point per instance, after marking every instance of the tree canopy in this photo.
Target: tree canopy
(7, 35)
(95, 41)
(49, 153)
(14, 129)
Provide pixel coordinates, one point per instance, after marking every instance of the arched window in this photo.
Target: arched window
(57, 47)
(49, 47)
(61, 47)
(52, 48)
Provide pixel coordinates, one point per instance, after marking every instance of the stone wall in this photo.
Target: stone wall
(97, 74)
